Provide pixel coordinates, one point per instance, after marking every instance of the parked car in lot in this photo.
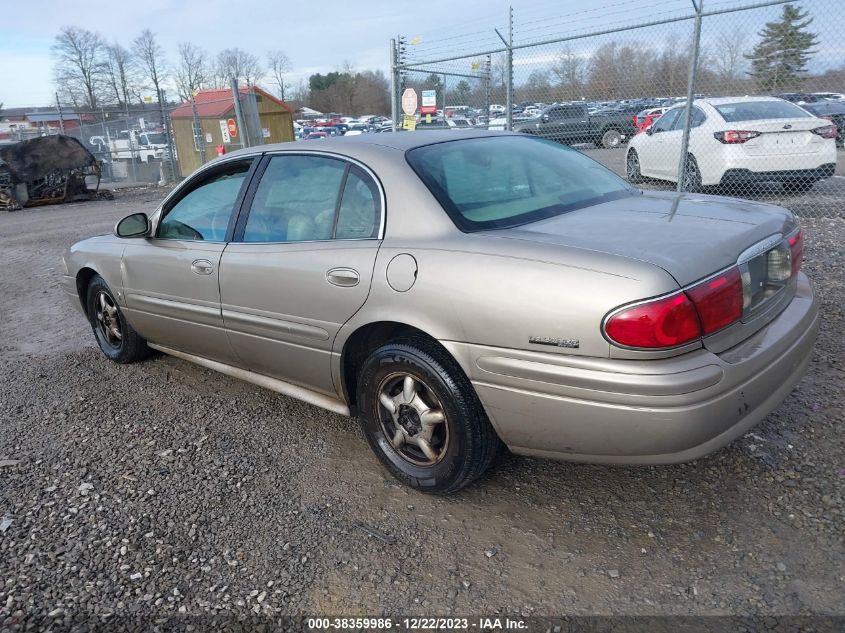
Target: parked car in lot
(736, 141)
(647, 117)
(571, 124)
(833, 111)
(460, 291)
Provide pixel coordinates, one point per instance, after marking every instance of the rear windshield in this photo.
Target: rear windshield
(505, 181)
(756, 110)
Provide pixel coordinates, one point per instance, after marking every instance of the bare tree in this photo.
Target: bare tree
(729, 59)
(193, 71)
(80, 66)
(121, 73)
(279, 66)
(150, 56)
(234, 62)
(570, 70)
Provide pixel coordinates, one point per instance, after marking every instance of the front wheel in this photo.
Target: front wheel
(422, 417)
(117, 339)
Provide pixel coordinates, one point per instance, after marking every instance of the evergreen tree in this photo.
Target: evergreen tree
(779, 60)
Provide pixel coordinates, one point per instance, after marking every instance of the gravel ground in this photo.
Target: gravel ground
(162, 488)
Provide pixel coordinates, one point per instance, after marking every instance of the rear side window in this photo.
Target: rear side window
(665, 122)
(757, 110)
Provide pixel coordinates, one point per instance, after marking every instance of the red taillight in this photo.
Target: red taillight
(718, 300)
(826, 131)
(796, 249)
(732, 137)
(665, 322)
(679, 318)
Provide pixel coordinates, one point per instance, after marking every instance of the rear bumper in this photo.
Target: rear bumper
(746, 176)
(642, 412)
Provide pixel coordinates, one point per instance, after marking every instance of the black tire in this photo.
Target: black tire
(692, 175)
(611, 139)
(632, 167)
(470, 443)
(130, 346)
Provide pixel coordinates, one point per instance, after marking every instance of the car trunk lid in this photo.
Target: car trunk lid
(782, 136)
(689, 236)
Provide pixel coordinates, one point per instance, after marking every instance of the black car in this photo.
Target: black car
(571, 123)
(833, 111)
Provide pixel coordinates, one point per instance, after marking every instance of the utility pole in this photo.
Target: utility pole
(487, 89)
(693, 69)
(239, 116)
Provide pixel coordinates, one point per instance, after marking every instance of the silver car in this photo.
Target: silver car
(462, 292)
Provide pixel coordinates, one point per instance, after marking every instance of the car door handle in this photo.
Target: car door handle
(202, 267)
(345, 277)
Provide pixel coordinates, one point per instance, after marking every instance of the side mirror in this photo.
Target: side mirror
(135, 225)
(649, 130)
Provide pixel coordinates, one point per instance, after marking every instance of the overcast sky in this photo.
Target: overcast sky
(319, 36)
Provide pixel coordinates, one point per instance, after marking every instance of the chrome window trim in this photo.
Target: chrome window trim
(155, 216)
(348, 159)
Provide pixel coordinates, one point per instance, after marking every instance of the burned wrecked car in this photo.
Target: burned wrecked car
(47, 170)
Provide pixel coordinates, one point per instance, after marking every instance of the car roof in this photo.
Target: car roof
(351, 145)
(722, 100)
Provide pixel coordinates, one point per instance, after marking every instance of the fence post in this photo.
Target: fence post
(61, 116)
(239, 116)
(394, 84)
(509, 78)
(196, 126)
(165, 121)
(487, 90)
(131, 145)
(693, 69)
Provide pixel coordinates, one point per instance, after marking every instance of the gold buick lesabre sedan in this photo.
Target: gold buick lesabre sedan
(458, 292)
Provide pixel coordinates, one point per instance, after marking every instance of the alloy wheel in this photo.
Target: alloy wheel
(108, 320)
(412, 419)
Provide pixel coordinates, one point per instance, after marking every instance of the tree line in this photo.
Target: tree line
(624, 69)
(90, 72)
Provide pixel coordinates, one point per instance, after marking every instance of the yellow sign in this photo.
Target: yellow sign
(409, 122)
(428, 118)
(416, 40)
(475, 65)
(148, 99)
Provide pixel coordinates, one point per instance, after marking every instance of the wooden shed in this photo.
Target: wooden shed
(267, 119)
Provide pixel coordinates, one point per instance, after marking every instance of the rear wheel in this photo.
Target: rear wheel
(632, 167)
(692, 176)
(116, 338)
(422, 417)
(611, 139)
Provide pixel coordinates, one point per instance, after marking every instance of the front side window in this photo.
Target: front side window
(757, 110)
(204, 212)
(311, 198)
(505, 181)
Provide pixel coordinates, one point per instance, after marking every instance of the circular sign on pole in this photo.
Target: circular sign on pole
(409, 101)
(233, 127)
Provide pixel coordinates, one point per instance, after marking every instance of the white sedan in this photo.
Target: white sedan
(737, 141)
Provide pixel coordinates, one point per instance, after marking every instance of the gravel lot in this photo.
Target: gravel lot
(162, 488)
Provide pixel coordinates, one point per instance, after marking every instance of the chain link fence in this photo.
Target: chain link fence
(675, 95)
